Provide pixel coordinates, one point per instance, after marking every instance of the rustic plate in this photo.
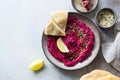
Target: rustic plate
(94, 53)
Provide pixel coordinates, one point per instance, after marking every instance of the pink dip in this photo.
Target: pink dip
(86, 4)
(79, 39)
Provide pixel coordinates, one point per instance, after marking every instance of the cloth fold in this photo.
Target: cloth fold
(111, 50)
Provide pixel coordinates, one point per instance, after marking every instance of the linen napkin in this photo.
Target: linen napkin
(117, 26)
(111, 50)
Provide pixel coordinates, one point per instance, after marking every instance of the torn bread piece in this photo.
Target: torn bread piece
(60, 17)
(99, 75)
(53, 29)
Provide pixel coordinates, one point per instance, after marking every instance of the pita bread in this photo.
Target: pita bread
(99, 75)
(53, 29)
(60, 18)
(57, 24)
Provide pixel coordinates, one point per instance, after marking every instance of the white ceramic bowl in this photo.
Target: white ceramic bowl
(94, 4)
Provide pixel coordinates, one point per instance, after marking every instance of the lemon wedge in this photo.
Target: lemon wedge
(61, 46)
(36, 65)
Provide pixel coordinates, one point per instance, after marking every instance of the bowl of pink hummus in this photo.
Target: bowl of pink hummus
(82, 39)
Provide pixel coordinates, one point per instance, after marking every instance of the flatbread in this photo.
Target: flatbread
(53, 29)
(57, 24)
(60, 18)
(99, 75)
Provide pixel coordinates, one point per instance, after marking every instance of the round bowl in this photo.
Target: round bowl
(94, 4)
(99, 15)
(94, 52)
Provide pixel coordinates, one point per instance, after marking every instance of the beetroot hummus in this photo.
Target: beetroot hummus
(79, 39)
(86, 4)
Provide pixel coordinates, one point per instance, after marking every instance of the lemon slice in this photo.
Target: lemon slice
(61, 46)
(36, 65)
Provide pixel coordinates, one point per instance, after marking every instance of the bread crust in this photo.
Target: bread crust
(99, 75)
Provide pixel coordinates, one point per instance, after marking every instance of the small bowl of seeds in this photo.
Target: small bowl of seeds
(105, 18)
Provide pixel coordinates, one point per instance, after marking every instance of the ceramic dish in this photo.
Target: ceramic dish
(94, 4)
(103, 16)
(94, 53)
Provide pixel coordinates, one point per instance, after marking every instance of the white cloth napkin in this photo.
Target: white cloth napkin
(111, 50)
(117, 27)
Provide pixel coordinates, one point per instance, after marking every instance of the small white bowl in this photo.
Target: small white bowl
(94, 4)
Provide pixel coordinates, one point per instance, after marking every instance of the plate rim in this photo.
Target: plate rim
(76, 64)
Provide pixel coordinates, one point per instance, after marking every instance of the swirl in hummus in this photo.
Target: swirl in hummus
(79, 39)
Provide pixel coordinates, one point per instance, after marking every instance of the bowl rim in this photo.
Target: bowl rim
(106, 8)
(72, 1)
(43, 35)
